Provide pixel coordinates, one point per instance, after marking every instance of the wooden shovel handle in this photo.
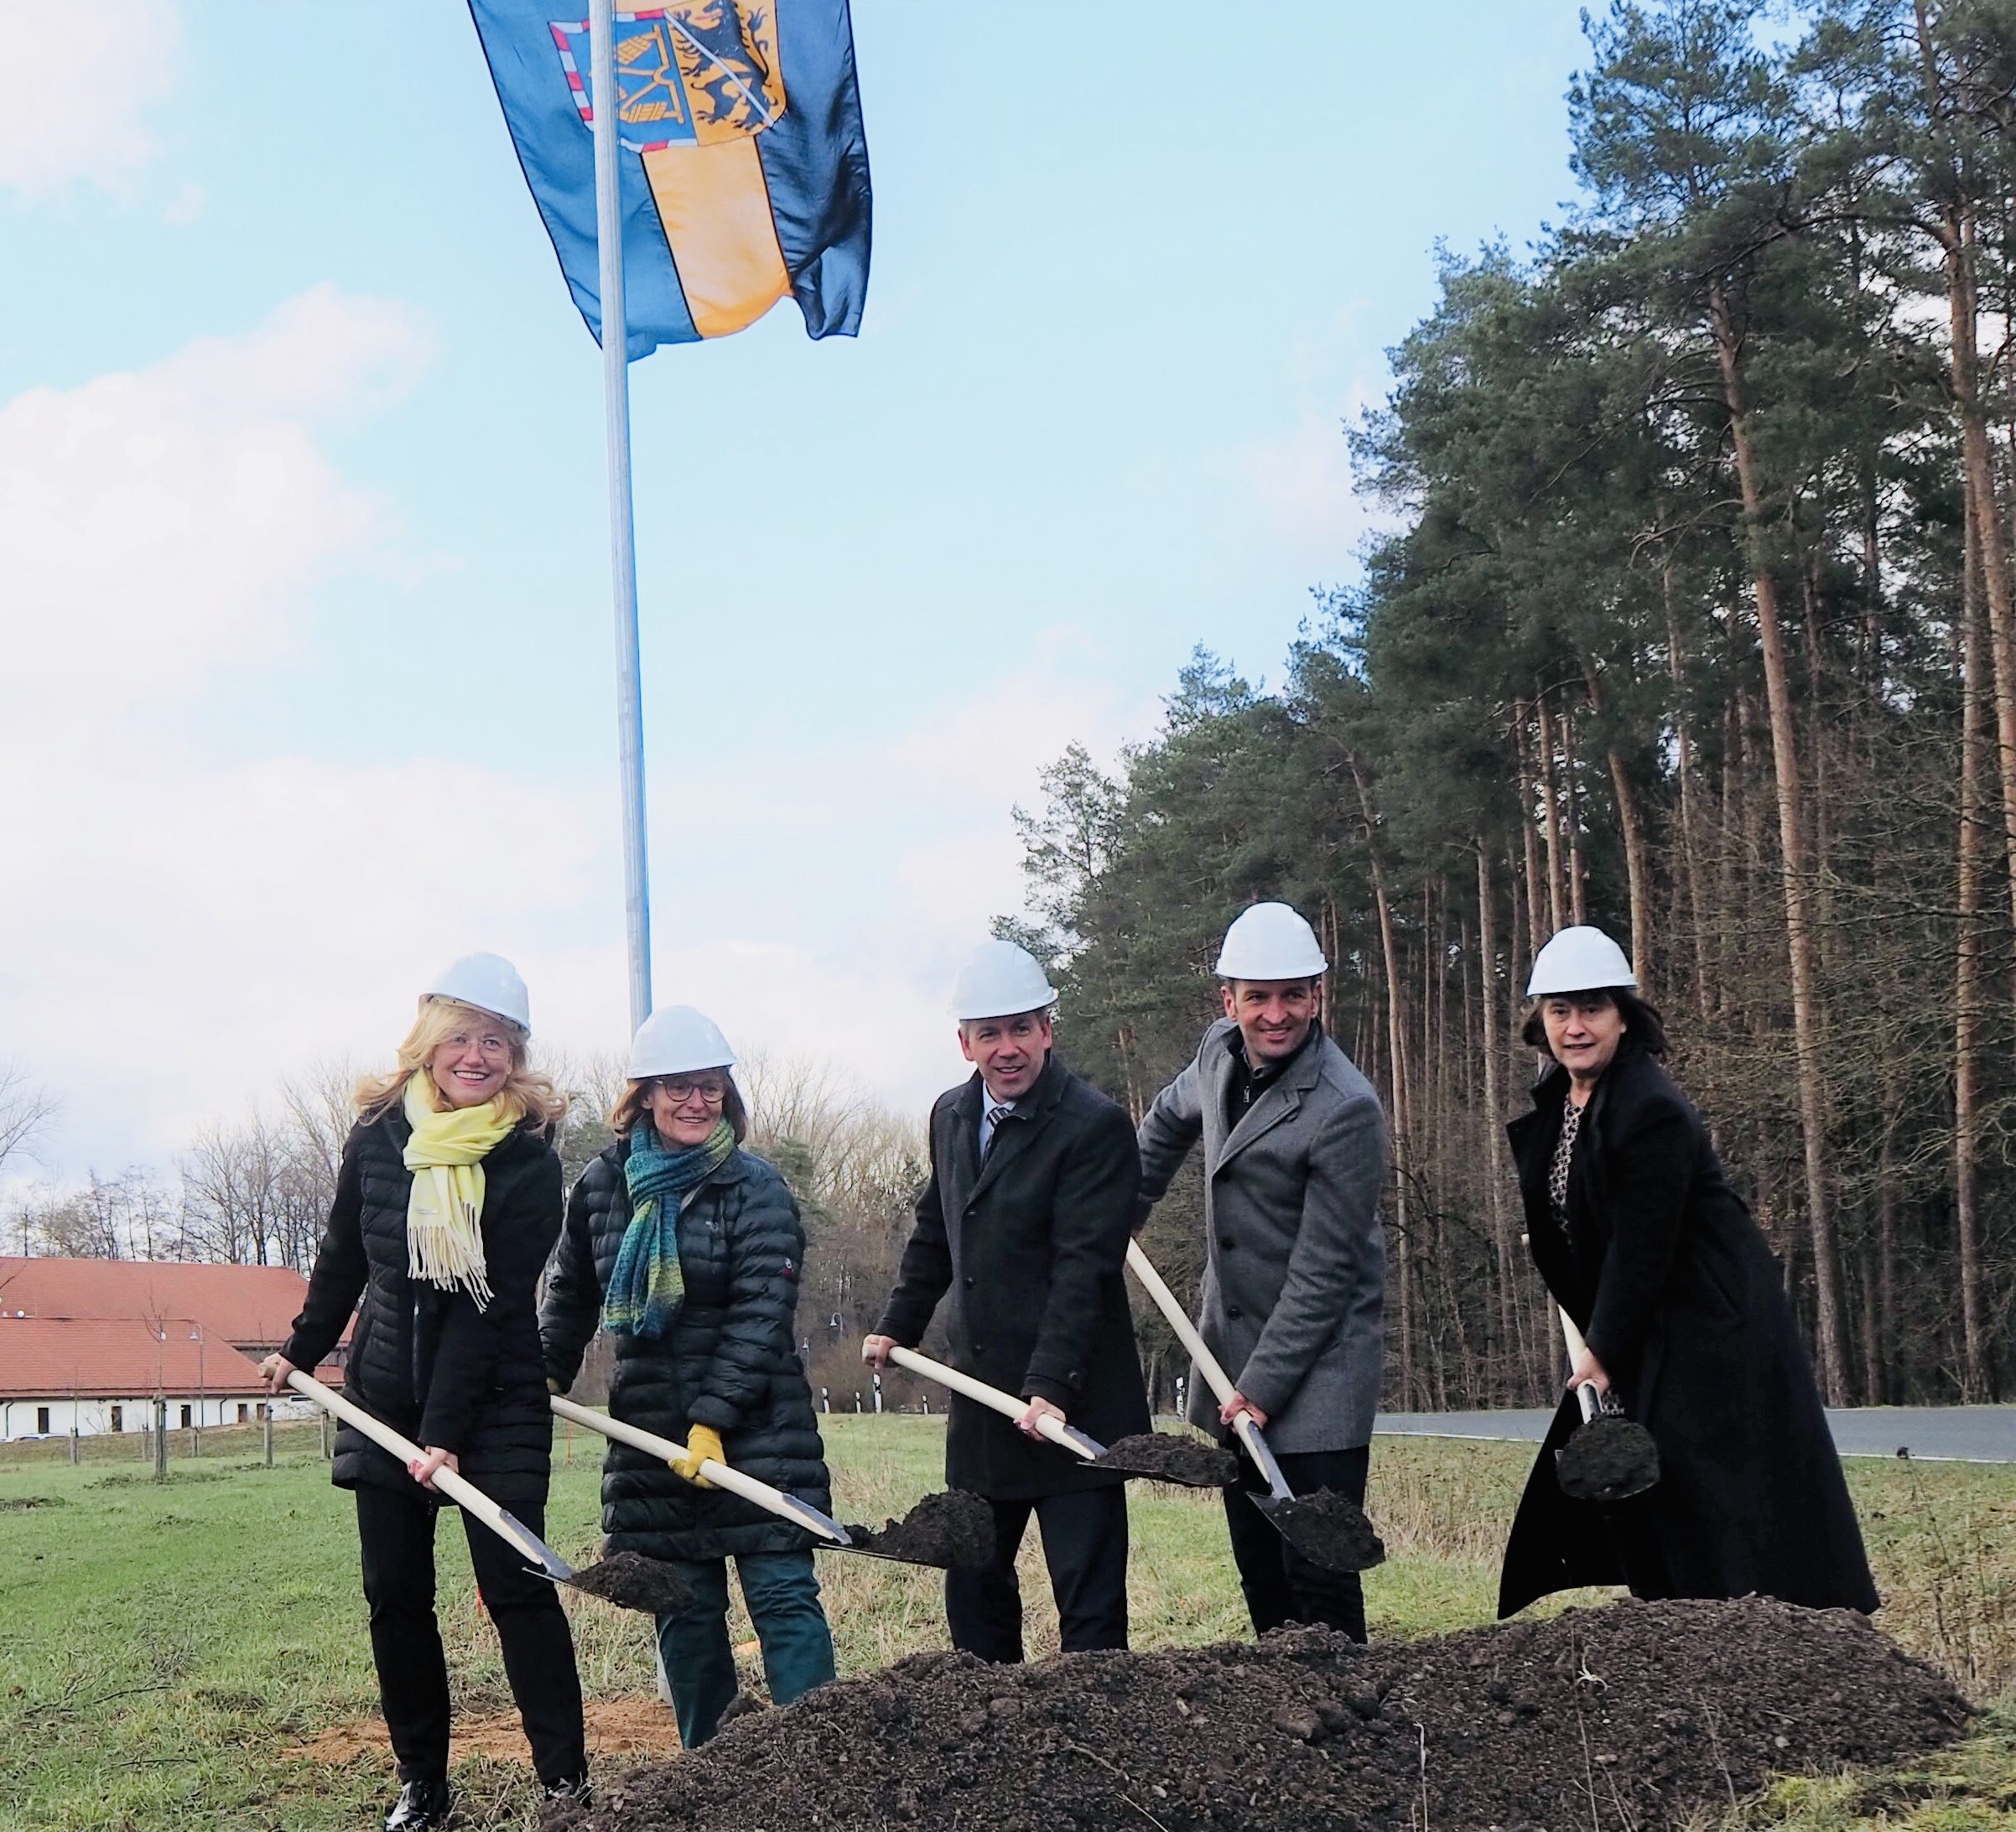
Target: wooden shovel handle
(1587, 1396)
(1006, 1404)
(1215, 1376)
(1178, 1320)
(451, 1482)
(775, 1500)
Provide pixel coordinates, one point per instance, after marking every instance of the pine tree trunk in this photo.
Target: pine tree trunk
(1572, 799)
(1806, 1019)
(1690, 832)
(1396, 1036)
(1967, 979)
(1637, 867)
(1535, 927)
(1557, 902)
(1495, 1170)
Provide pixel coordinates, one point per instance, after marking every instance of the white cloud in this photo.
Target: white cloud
(81, 79)
(185, 928)
(158, 526)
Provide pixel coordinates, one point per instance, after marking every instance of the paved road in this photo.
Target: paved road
(1941, 1434)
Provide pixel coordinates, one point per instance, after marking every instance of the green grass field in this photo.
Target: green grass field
(163, 1646)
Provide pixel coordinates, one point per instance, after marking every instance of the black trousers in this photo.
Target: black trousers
(1084, 1545)
(1280, 1584)
(397, 1536)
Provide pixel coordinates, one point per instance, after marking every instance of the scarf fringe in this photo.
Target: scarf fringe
(444, 1213)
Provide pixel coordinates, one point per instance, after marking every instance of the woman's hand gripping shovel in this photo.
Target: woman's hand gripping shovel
(1328, 1529)
(626, 1579)
(946, 1530)
(1158, 1456)
(1610, 1457)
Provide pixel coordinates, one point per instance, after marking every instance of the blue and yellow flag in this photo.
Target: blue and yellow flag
(744, 168)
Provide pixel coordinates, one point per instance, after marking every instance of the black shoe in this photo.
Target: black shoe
(421, 1804)
(575, 1790)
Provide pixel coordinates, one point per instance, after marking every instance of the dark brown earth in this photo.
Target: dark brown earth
(950, 1530)
(1606, 1460)
(630, 1580)
(1328, 1527)
(1163, 1456)
(1627, 1718)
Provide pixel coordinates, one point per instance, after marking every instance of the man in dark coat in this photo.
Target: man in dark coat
(1025, 1222)
(1683, 1309)
(1295, 1270)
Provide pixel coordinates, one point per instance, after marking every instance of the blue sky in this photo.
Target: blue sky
(303, 548)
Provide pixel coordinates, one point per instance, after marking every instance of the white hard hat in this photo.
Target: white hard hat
(1580, 960)
(1269, 941)
(676, 1040)
(488, 982)
(998, 981)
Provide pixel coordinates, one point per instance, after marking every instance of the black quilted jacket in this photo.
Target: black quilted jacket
(729, 1360)
(427, 1361)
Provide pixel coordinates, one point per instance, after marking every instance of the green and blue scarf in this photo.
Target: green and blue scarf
(645, 1287)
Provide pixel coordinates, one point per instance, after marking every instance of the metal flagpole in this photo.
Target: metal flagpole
(623, 531)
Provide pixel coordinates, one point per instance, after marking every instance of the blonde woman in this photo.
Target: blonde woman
(447, 1203)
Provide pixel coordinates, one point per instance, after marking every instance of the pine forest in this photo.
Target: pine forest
(1694, 617)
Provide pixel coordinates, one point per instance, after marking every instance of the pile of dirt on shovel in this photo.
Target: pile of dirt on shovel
(1629, 1717)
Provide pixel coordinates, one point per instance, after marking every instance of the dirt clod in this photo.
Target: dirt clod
(630, 1580)
(1642, 1715)
(951, 1529)
(1606, 1460)
(1164, 1456)
(1329, 1529)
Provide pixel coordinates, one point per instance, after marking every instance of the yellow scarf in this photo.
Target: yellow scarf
(444, 1218)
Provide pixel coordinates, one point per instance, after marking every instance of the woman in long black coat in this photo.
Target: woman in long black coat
(688, 1249)
(1643, 1242)
(447, 1205)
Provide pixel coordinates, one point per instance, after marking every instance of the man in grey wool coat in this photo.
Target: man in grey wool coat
(1295, 1157)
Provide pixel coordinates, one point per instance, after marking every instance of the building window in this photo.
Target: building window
(186, 1418)
(42, 1421)
(118, 1417)
(244, 1413)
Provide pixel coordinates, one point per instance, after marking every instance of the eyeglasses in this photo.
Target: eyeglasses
(712, 1089)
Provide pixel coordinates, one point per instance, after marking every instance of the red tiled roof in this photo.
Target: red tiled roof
(115, 1357)
(245, 1304)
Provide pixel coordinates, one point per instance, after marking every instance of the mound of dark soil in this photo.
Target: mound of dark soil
(1164, 1456)
(1607, 1460)
(630, 1580)
(1329, 1528)
(951, 1529)
(1629, 1717)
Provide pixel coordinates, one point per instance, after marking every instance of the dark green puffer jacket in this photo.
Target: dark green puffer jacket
(730, 1359)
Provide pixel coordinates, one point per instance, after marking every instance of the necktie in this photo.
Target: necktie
(996, 1115)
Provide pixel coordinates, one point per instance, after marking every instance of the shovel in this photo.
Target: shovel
(799, 1513)
(1159, 1457)
(1608, 1458)
(1328, 1529)
(627, 1580)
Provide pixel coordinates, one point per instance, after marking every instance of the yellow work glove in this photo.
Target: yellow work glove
(703, 1445)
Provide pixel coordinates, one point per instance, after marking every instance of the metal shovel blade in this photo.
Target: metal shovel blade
(1609, 1458)
(1328, 1529)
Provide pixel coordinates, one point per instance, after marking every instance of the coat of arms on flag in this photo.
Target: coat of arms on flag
(686, 74)
(745, 174)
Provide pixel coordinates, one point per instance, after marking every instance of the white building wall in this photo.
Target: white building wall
(93, 1418)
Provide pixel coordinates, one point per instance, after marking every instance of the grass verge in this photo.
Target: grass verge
(163, 1646)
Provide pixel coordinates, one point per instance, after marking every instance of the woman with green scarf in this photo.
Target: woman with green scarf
(687, 1250)
(447, 1205)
